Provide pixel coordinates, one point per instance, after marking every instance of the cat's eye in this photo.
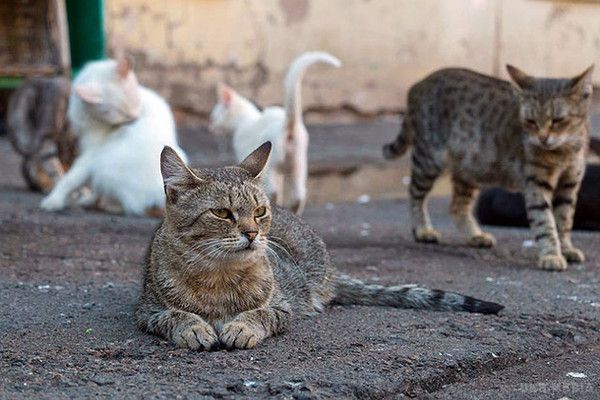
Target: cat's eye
(531, 122)
(260, 212)
(222, 213)
(558, 121)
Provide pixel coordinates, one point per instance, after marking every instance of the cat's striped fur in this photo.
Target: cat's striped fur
(226, 268)
(530, 137)
(39, 131)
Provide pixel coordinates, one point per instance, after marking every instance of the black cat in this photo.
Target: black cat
(498, 207)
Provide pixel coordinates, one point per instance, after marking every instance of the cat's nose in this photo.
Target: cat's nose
(544, 139)
(251, 235)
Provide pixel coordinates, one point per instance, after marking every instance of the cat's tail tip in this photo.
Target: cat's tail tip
(474, 305)
(400, 145)
(396, 149)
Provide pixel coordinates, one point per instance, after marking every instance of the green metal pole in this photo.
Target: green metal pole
(86, 31)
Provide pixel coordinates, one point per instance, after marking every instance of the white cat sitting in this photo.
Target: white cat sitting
(283, 127)
(122, 128)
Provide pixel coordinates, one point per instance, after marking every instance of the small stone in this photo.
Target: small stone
(528, 243)
(577, 375)
(103, 379)
(363, 199)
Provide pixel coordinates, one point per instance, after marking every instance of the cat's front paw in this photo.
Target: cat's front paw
(553, 262)
(573, 255)
(198, 336)
(87, 199)
(484, 240)
(239, 335)
(52, 203)
(426, 235)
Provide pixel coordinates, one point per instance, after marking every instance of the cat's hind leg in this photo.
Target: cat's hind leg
(274, 186)
(461, 209)
(299, 177)
(424, 173)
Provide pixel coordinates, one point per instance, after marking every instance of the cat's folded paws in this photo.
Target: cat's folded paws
(484, 240)
(197, 336)
(553, 262)
(573, 255)
(239, 335)
(426, 235)
(52, 203)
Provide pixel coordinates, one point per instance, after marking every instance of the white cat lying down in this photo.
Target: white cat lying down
(283, 127)
(122, 128)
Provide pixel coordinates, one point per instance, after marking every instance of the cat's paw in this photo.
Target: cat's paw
(52, 203)
(426, 235)
(484, 240)
(239, 335)
(87, 199)
(198, 336)
(573, 255)
(553, 262)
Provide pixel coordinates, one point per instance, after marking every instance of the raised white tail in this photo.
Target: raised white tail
(293, 80)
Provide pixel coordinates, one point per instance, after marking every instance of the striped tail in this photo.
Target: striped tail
(353, 291)
(403, 141)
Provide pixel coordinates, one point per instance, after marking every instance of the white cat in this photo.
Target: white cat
(122, 128)
(282, 126)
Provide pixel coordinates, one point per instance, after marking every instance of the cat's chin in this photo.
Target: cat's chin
(249, 253)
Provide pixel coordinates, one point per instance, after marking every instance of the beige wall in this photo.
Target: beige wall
(183, 47)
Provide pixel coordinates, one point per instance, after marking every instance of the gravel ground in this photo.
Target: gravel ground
(69, 283)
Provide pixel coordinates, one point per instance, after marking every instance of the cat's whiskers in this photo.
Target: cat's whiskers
(279, 246)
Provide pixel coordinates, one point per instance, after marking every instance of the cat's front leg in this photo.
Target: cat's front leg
(72, 180)
(538, 196)
(251, 327)
(563, 203)
(185, 329)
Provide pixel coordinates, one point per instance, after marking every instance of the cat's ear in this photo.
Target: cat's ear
(124, 66)
(256, 162)
(582, 83)
(89, 92)
(520, 78)
(175, 173)
(225, 93)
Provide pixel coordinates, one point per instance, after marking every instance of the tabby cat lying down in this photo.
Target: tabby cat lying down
(226, 268)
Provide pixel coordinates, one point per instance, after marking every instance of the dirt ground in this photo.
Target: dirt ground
(69, 283)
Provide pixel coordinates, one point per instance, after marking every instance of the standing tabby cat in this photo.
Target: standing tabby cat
(530, 138)
(38, 129)
(225, 267)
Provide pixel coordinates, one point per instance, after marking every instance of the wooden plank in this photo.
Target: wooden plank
(33, 38)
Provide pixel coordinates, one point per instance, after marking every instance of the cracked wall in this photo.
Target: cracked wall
(183, 47)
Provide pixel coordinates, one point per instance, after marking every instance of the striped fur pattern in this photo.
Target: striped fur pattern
(530, 137)
(39, 131)
(226, 268)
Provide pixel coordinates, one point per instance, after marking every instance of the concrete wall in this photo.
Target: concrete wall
(183, 47)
